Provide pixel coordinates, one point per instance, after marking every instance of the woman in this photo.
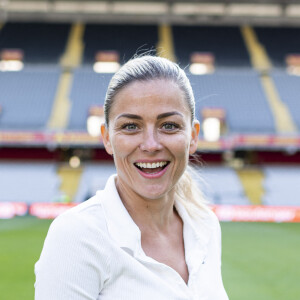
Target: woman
(148, 234)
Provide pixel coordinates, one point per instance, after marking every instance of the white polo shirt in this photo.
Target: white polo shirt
(93, 251)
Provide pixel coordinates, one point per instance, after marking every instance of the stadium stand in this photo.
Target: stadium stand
(26, 97)
(240, 94)
(165, 46)
(252, 181)
(221, 185)
(126, 39)
(261, 62)
(88, 89)
(70, 178)
(70, 60)
(28, 182)
(288, 87)
(41, 42)
(94, 177)
(281, 185)
(225, 43)
(279, 41)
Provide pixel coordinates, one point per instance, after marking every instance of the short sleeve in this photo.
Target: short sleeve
(74, 261)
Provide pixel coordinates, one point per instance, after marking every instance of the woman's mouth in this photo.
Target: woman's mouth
(151, 168)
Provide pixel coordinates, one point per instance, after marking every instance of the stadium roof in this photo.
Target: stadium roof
(214, 12)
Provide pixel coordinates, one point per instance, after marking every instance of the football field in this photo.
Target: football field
(261, 261)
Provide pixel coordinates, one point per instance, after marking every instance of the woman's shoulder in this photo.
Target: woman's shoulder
(76, 254)
(207, 216)
(86, 218)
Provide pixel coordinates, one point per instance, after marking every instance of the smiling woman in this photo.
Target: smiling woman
(150, 123)
(148, 234)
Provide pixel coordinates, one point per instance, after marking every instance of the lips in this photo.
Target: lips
(151, 167)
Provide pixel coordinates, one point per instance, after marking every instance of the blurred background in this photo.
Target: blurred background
(243, 61)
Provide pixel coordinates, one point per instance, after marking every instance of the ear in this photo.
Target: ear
(194, 137)
(105, 139)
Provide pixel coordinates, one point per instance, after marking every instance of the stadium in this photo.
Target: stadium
(243, 61)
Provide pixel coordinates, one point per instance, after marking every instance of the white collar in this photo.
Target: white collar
(120, 225)
(127, 235)
(197, 234)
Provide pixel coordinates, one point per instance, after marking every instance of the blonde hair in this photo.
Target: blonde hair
(146, 68)
(189, 194)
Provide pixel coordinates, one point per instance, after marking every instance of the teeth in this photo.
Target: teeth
(151, 165)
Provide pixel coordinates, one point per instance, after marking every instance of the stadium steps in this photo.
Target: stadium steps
(61, 107)
(165, 45)
(283, 120)
(252, 181)
(72, 58)
(74, 51)
(70, 179)
(258, 56)
(260, 61)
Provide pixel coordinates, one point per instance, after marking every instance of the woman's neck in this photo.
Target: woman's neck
(155, 215)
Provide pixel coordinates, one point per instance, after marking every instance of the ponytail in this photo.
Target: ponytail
(189, 194)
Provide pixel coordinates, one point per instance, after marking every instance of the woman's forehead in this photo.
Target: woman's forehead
(148, 93)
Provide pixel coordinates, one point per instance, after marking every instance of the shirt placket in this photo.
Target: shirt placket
(195, 262)
(168, 274)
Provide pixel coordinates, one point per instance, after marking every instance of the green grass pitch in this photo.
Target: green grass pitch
(260, 260)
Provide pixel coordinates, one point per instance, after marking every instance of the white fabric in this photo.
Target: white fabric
(93, 251)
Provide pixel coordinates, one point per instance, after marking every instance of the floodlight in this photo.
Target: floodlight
(74, 162)
(106, 67)
(211, 129)
(94, 124)
(11, 65)
(294, 70)
(199, 69)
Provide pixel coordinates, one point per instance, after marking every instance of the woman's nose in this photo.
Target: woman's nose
(150, 142)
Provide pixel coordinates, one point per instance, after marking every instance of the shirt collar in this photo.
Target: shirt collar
(197, 233)
(120, 225)
(127, 235)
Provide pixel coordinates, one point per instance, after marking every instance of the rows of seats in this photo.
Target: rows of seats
(26, 97)
(237, 91)
(93, 178)
(240, 94)
(25, 103)
(221, 185)
(88, 89)
(41, 42)
(226, 43)
(33, 182)
(279, 42)
(45, 42)
(28, 182)
(282, 186)
(288, 87)
(126, 39)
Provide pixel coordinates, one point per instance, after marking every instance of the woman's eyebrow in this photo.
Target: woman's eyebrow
(160, 116)
(168, 114)
(130, 116)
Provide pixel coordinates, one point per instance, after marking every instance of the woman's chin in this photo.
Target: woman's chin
(153, 193)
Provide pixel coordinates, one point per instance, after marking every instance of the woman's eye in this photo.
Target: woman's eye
(170, 126)
(129, 127)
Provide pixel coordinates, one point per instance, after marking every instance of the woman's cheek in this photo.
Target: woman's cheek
(125, 144)
(179, 143)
